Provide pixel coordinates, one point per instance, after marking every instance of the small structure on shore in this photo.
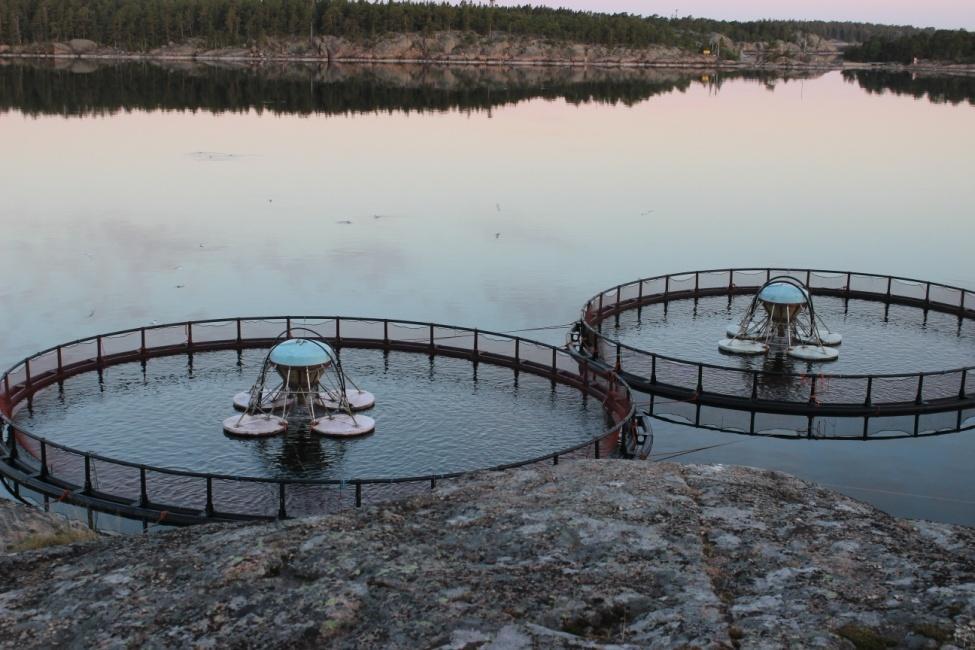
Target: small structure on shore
(310, 385)
(782, 318)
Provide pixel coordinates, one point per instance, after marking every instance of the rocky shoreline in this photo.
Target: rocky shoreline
(588, 554)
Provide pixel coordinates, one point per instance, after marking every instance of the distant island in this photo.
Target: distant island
(357, 30)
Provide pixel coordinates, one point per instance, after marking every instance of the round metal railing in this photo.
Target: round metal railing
(172, 496)
(808, 394)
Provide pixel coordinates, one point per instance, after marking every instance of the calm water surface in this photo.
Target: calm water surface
(501, 199)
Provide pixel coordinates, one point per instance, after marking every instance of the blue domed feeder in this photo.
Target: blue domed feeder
(312, 388)
(782, 318)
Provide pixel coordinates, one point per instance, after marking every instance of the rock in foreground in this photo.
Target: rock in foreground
(585, 554)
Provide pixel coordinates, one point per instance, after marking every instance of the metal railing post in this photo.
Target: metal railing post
(209, 505)
(60, 361)
(869, 399)
(920, 389)
(432, 346)
(754, 385)
(518, 353)
(143, 488)
(239, 332)
(43, 459)
(358, 494)
(653, 369)
(386, 333)
(476, 351)
(282, 511)
(189, 335)
(812, 391)
(964, 380)
(700, 380)
(87, 489)
(338, 331)
(98, 350)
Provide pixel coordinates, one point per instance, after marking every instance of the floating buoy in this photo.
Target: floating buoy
(813, 353)
(358, 400)
(254, 426)
(343, 426)
(242, 401)
(734, 331)
(831, 339)
(742, 346)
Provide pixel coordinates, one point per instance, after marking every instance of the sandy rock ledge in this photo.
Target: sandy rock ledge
(589, 554)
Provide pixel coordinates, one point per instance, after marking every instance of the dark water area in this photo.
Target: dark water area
(433, 416)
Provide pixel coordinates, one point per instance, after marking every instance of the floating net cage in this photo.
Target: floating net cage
(781, 385)
(302, 381)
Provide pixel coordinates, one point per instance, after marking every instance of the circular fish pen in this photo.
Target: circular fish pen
(131, 424)
(744, 350)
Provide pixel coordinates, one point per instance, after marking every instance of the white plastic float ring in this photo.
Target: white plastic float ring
(343, 426)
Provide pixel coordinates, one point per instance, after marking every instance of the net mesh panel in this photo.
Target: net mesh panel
(841, 390)
(609, 298)
(891, 390)
(682, 283)
(969, 301)
(968, 418)
(214, 332)
(932, 423)
(890, 426)
(18, 375)
(676, 373)
(309, 500)
(537, 354)
(79, 352)
(779, 424)
(715, 280)
(633, 361)
(176, 491)
(450, 337)
(66, 465)
(28, 450)
(630, 292)
(162, 337)
(655, 287)
(406, 333)
(373, 493)
(126, 343)
(117, 480)
(43, 363)
(784, 389)
(501, 346)
(798, 275)
(728, 419)
(748, 279)
(245, 497)
(354, 329)
(262, 329)
(324, 327)
(947, 296)
(566, 363)
(837, 427)
(905, 289)
(674, 409)
(970, 383)
(727, 382)
(946, 386)
(835, 281)
(868, 284)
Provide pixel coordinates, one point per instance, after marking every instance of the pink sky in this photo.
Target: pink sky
(951, 14)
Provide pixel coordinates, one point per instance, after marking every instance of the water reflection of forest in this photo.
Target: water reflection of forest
(84, 87)
(938, 89)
